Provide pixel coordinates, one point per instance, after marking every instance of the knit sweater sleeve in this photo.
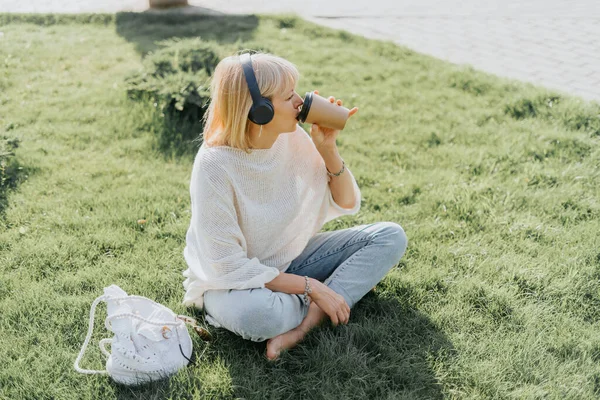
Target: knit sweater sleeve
(333, 209)
(216, 250)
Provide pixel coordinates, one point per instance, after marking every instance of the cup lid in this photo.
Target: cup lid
(308, 97)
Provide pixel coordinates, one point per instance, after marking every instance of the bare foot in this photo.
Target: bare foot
(291, 338)
(283, 342)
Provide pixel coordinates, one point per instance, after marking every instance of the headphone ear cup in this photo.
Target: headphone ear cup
(262, 113)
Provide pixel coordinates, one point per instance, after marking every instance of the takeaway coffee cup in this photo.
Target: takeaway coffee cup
(318, 110)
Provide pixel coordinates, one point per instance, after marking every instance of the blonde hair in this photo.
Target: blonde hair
(226, 121)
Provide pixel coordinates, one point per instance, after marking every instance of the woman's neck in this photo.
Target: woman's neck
(262, 140)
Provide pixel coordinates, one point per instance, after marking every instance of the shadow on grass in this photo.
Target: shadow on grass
(12, 173)
(178, 133)
(387, 351)
(15, 174)
(147, 28)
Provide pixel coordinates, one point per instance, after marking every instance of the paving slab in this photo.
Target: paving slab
(547, 42)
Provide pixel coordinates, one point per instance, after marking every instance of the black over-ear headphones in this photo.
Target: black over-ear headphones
(262, 110)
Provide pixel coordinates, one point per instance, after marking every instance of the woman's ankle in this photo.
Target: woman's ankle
(313, 318)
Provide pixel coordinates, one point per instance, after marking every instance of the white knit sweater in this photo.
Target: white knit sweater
(253, 214)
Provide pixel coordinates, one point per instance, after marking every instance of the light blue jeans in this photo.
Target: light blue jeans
(350, 261)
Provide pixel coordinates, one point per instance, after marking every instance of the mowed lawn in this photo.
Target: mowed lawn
(496, 183)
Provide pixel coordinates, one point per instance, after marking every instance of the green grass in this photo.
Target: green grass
(496, 183)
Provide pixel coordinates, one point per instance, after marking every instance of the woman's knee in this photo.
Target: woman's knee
(391, 236)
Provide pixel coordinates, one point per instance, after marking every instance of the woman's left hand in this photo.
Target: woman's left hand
(324, 138)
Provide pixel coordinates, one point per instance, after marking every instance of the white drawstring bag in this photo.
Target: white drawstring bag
(150, 341)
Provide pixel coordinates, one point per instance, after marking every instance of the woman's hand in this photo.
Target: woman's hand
(333, 304)
(324, 138)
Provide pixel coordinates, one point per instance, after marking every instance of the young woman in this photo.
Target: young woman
(260, 193)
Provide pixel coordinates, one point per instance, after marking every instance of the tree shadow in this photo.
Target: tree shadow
(178, 132)
(12, 173)
(387, 351)
(146, 28)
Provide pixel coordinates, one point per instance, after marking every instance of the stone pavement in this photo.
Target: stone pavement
(547, 42)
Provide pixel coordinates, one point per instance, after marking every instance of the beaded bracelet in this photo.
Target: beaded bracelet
(339, 173)
(307, 291)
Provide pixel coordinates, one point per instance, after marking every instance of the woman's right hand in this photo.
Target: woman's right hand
(333, 304)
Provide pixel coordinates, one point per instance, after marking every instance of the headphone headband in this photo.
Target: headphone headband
(250, 78)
